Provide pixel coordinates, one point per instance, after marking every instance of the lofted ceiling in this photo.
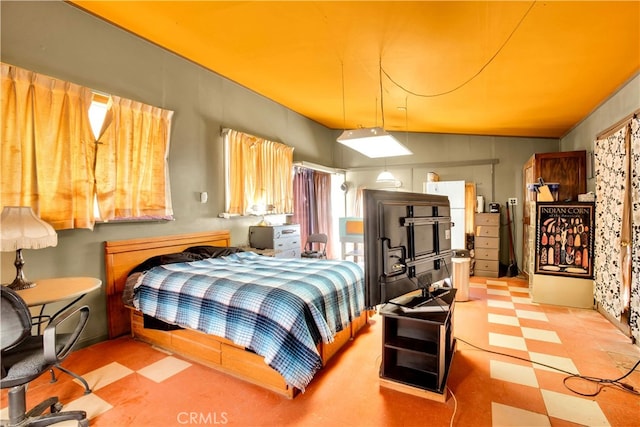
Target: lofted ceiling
(513, 68)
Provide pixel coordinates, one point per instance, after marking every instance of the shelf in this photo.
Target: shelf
(411, 344)
(417, 348)
(414, 378)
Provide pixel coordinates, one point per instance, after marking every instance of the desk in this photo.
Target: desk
(47, 291)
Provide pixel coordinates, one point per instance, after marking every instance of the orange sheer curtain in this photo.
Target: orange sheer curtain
(47, 148)
(304, 202)
(132, 172)
(312, 198)
(259, 175)
(469, 207)
(322, 184)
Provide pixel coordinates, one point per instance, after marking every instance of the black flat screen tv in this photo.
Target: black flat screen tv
(407, 246)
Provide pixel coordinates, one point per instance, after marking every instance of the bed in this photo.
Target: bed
(221, 349)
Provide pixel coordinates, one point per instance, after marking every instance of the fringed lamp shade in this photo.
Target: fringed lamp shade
(20, 228)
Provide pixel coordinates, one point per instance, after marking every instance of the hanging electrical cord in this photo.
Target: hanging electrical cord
(472, 77)
(455, 407)
(344, 108)
(381, 95)
(601, 382)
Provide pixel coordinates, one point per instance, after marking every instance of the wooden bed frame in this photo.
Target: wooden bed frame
(123, 255)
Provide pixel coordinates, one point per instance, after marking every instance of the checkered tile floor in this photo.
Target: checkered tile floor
(136, 384)
(556, 341)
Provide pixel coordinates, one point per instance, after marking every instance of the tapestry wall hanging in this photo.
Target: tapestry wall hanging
(564, 239)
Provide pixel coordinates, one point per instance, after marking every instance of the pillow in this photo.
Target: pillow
(165, 259)
(212, 251)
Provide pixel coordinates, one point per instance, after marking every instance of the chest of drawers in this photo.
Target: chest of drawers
(283, 239)
(487, 245)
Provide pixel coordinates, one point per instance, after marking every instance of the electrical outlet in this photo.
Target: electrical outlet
(513, 201)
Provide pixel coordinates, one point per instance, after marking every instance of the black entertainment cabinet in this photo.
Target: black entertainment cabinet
(418, 347)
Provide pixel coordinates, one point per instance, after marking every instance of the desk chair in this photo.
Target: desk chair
(25, 357)
(316, 246)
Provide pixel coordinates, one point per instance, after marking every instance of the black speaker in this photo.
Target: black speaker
(494, 207)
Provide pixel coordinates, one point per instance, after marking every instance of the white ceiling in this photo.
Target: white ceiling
(514, 68)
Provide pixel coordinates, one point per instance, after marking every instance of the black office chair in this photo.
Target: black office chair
(316, 246)
(25, 357)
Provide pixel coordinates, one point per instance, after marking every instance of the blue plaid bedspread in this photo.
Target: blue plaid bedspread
(278, 308)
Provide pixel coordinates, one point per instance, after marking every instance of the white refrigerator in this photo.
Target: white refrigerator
(455, 190)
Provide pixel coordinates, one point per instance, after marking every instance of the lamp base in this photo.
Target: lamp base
(19, 284)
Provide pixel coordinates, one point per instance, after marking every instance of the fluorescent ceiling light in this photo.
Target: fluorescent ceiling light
(373, 142)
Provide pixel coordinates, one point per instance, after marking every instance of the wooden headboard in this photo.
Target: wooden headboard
(121, 256)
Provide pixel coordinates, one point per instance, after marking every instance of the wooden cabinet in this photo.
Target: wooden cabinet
(417, 348)
(567, 168)
(487, 245)
(283, 239)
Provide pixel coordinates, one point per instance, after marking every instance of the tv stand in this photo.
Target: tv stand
(418, 347)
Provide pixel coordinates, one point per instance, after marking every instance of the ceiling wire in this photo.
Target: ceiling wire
(344, 108)
(472, 77)
(381, 96)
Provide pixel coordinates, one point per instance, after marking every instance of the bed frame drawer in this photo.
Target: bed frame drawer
(251, 367)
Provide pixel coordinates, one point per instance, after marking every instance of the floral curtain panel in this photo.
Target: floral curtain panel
(617, 173)
(634, 318)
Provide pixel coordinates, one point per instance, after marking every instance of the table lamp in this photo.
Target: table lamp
(20, 229)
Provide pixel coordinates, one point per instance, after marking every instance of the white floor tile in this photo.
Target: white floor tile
(532, 315)
(518, 374)
(106, 375)
(519, 289)
(90, 403)
(503, 320)
(499, 304)
(561, 363)
(164, 368)
(500, 292)
(541, 335)
(575, 409)
(507, 341)
(508, 416)
(523, 300)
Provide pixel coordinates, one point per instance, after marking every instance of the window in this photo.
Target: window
(97, 113)
(53, 161)
(259, 175)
